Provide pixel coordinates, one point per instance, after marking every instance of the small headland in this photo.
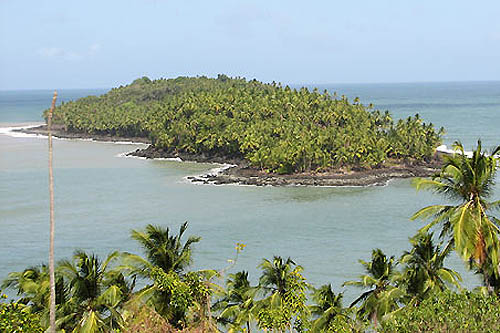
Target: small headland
(243, 174)
(240, 172)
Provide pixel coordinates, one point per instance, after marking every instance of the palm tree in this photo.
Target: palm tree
(284, 307)
(33, 287)
(424, 270)
(382, 295)
(237, 302)
(275, 275)
(52, 308)
(326, 307)
(97, 293)
(468, 225)
(162, 251)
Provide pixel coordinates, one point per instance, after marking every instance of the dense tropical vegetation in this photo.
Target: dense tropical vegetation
(448, 312)
(158, 292)
(273, 128)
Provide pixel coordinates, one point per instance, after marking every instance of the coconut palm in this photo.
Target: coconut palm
(467, 225)
(163, 251)
(424, 270)
(97, 293)
(33, 287)
(285, 305)
(275, 275)
(382, 296)
(52, 280)
(326, 307)
(238, 302)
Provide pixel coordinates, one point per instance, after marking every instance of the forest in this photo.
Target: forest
(156, 291)
(270, 127)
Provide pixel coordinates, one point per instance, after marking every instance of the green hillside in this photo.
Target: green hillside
(274, 128)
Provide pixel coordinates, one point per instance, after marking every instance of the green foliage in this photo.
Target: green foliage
(327, 309)
(184, 292)
(161, 249)
(32, 285)
(96, 294)
(88, 293)
(236, 305)
(169, 290)
(424, 270)
(144, 319)
(286, 307)
(16, 317)
(344, 322)
(468, 225)
(383, 295)
(274, 128)
(448, 312)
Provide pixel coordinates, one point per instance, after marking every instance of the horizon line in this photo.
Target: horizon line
(282, 83)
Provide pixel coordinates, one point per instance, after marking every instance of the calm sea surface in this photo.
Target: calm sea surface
(100, 196)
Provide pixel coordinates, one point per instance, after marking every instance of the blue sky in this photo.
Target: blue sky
(87, 44)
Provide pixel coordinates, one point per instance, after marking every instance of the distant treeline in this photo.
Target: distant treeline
(275, 128)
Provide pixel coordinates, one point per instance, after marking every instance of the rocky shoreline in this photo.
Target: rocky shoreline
(237, 171)
(374, 177)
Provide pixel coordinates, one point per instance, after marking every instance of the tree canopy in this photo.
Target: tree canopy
(272, 127)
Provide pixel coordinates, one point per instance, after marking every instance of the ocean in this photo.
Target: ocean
(100, 196)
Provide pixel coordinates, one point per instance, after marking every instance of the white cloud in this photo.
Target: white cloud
(60, 53)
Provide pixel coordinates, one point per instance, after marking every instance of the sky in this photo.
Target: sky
(100, 44)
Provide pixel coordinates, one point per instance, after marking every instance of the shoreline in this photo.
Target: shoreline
(247, 176)
(237, 171)
(59, 132)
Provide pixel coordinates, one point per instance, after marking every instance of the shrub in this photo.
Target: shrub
(448, 312)
(15, 317)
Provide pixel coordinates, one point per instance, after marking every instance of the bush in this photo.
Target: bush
(448, 312)
(17, 318)
(144, 319)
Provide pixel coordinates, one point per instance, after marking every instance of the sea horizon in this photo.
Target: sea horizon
(299, 84)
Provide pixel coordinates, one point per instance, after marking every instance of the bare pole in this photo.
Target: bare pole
(52, 309)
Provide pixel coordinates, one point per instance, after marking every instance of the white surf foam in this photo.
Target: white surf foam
(201, 178)
(444, 149)
(126, 155)
(13, 131)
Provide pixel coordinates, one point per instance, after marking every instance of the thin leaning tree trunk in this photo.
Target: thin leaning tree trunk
(52, 308)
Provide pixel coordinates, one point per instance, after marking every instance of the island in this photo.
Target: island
(270, 134)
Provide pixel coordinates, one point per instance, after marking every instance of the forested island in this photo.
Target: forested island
(274, 134)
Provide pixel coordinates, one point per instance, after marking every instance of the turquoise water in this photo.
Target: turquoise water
(100, 196)
(27, 105)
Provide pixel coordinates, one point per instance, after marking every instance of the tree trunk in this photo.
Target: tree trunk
(487, 280)
(374, 319)
(52, 307)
